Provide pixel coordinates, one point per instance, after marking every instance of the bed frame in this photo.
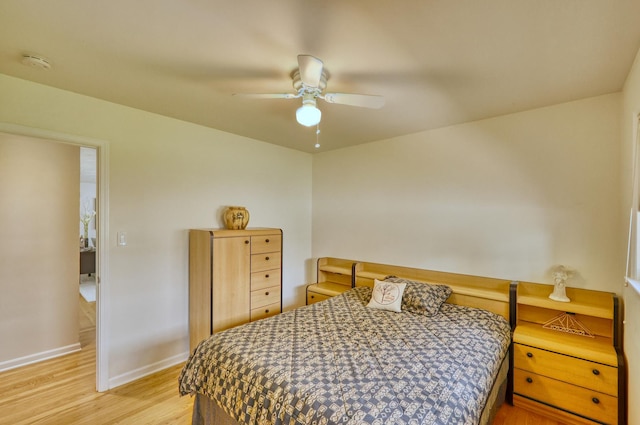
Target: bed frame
(336, 275)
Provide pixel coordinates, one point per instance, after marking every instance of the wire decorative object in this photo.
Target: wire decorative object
(566, 322)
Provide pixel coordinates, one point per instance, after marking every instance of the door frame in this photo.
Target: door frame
(102, 257)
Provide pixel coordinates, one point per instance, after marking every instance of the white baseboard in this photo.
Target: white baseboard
(136, 374)
(38, 357)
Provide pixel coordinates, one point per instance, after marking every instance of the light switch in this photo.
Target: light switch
(122, 238)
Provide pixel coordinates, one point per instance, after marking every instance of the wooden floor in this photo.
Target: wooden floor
(62, 392)
(510, 415)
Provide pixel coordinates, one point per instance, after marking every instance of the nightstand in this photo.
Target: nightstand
(569, 376)
(334, 276)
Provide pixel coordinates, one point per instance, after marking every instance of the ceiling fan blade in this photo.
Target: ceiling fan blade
(310, 70)
(362, 100)
(267, 95)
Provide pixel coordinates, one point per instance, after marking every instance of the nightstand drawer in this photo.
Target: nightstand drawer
(582, 401)
(265, 296)
(580, 372)
(265, 279)
(321, 291)
(314, 297)
(266, 243)
(266, 261)
(265, 311)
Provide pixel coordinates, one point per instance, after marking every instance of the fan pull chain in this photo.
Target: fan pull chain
(317, 145)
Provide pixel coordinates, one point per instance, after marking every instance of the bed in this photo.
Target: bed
(346, 361)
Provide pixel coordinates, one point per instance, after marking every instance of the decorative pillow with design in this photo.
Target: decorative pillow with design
(387, 295)
(422, 298)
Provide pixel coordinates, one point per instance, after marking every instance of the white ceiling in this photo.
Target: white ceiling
(437, 62)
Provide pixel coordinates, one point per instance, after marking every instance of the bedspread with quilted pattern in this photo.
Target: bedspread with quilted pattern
(339, 362)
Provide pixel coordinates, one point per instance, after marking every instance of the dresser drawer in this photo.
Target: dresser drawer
(267, 261)
(582, 401)
(580, 372)
(265, 311)
(266, 296)
(265, 279)
(266, 243)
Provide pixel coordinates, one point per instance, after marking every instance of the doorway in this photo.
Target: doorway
(88, 242)
(101, 149)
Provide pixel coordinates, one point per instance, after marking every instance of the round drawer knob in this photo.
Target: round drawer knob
(313, 296)
(266, 258)
(266, 276)
(266, 311)
(596, 372)
(529, 355)
(529, 380)
(246, 242)
(266, 293)
(266, 240)
(595, 400)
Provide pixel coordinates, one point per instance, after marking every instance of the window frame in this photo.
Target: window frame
(632, 277)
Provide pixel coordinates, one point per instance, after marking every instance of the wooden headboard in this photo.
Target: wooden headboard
(336, 275)
(472, 291)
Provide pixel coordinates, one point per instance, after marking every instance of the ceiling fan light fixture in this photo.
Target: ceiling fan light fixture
(309, 82)
(308, 115)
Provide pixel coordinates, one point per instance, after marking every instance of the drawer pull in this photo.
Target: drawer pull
(246, 242)
(596, 372)
(266, 258)
(266, 240)
(266, 311)
(266, 276)
(529, 380)
(313, 296)
(529, 355)
(595, 400)
(266, 293)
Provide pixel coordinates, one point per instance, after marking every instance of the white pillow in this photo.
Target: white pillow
(387, 295)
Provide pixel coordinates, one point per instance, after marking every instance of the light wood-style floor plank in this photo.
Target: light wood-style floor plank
(62, 391)
(511, 415)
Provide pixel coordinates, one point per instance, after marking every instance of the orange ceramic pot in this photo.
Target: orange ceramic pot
(236, 218)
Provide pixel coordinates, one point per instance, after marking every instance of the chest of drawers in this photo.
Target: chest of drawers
(574, 378)
(235, 276)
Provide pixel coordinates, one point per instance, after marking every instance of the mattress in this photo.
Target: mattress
(340, 361)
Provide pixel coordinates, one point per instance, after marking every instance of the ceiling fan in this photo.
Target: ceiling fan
(309, 82)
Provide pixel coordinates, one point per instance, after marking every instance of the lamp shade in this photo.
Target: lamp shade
(308, 115)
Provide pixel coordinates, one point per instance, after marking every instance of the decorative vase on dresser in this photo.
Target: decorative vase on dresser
(236, 218)
(235, 276)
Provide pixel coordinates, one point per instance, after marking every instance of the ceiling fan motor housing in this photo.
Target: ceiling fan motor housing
(298, 85)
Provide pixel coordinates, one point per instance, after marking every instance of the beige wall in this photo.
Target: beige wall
(507, 197)
(166, 176)
(39, 191)
(631, 109)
